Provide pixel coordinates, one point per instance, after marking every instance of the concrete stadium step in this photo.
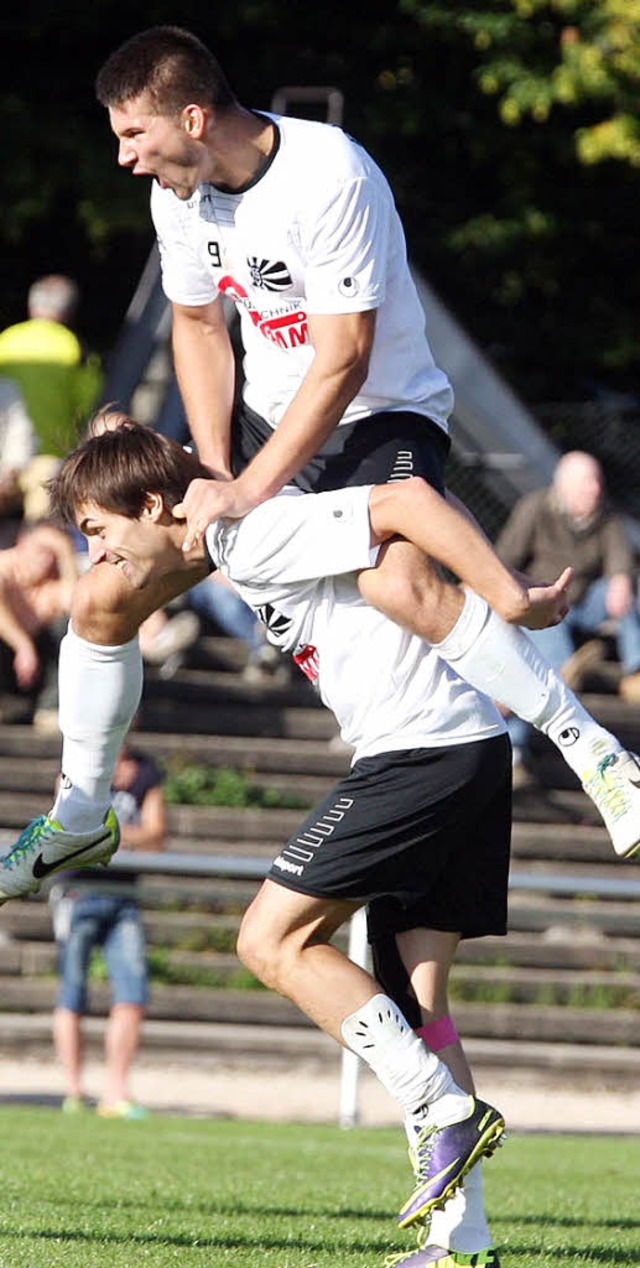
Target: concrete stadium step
(30, 921)
(529, 909)
(526, 977)
(205, 1046)
(590, 965)
(544, 1023)
(239, 718)
(616, 988)
(586, 950)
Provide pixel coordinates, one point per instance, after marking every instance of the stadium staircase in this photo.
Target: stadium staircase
(561, 992)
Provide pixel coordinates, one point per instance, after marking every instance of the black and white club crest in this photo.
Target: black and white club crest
(268, 276)
(277, 624)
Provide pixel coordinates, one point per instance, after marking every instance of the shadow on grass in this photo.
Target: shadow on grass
(224, 1241)
(234, 1208)
(516, 1250)
(543, 1220)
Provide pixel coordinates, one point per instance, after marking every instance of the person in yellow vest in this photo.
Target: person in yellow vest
(59, 381)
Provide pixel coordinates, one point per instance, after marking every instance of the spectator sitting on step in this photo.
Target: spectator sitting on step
(18, 444)
(91, 910)
(572, 523)
(37, 576)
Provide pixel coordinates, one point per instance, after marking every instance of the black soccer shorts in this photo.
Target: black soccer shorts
(423, 831)
(375, 450)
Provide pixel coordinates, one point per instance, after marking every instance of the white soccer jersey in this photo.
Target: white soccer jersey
(318, 232)
(387, 689)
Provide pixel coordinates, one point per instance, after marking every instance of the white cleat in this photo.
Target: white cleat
(614, 788)
(44, 848)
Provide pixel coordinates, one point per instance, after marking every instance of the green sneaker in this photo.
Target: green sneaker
(128, 1110)
(44, 848)
(74, 1105)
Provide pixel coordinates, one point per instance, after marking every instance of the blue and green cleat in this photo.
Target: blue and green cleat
(44, 847)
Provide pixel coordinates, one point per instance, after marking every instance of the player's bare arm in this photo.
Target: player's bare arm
(205, 370)
(107, 611)
(342, 345)
(413, 510)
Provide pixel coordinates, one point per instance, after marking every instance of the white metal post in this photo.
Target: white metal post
(348, 1116)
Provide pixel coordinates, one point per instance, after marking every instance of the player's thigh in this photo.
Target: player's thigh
(411, 590)
(281, 917)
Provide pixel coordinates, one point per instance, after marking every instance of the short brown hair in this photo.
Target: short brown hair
(172, 66)
(118, 468)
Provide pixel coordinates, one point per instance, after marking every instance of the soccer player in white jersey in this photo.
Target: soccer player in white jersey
(293, 222)
(425, 810)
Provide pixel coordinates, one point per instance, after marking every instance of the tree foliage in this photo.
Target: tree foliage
(534, 55)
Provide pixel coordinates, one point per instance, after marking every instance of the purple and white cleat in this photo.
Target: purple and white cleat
(443, 1155)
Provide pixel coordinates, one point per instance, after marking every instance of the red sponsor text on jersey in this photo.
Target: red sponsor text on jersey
(288, 330)
(308, 661)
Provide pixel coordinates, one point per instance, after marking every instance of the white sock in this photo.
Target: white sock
(414, 1076)
(99, 691)
(502, 662)
(462, 1224)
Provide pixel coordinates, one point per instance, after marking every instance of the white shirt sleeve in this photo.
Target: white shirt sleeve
(296, 537)
(346, 249)
(184, 278)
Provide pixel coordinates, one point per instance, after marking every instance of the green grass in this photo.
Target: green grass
(85, 1193)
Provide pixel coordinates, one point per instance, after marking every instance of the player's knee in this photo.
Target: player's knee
(256, 949)
(408, 588)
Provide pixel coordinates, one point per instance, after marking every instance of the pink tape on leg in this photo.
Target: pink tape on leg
(439, 1034)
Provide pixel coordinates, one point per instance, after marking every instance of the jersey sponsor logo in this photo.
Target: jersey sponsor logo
(268, 276)
(286, 866)
(288, 329)
(308, 660)
(277, 624)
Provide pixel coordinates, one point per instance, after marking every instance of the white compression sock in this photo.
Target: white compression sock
(499, 660)
(462, 1224)
(414, 1076)
(99, 691)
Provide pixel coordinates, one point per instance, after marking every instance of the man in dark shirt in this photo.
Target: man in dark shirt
(571, 523)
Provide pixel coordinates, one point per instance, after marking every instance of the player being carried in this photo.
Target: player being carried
(428, 797)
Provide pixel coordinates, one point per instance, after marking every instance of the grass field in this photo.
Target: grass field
(87, 1193)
